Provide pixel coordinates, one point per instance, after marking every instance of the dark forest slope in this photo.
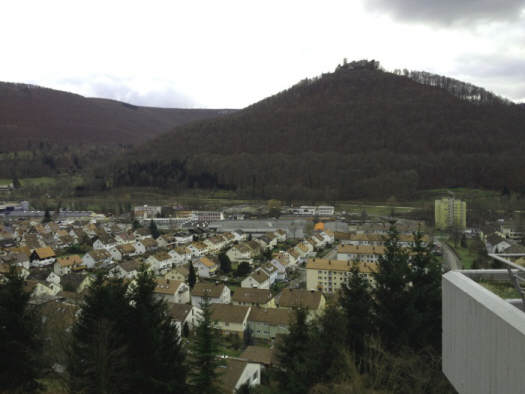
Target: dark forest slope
(31, 114)
(356, 132)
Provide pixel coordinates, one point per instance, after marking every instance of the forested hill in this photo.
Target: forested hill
(30, 115)
(356, 132)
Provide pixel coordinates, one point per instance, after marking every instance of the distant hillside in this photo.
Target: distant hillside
(45, 131)
(32, 114)
(356, 132)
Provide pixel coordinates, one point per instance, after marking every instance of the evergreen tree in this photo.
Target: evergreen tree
(154, 352)
(20, 345)
(425, 294)
(394, 311)
(225, 263)
(185, 330)
(357, 304)
(192, 276)
(328, 353)
(293, 355)
(97, 358)
(16, 182)
(248, 336)
(463, 241)
(155, 233)
(135, 224)
(47, 216)
(243, 269)
(204, 361)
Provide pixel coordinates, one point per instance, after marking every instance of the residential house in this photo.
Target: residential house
(128, 269)
(311, 300)
(18, 259)
(104, 241)
(39, 289)
(214, 244)
(281, 262)
(180, 255)
(258, 279)
(496, 244)
(253, 297)
(230, 319)
(179, 273)
(76, 282)
(53, 278)
(96, 258)
(141, 233)
(197, 249)
(217, 293)
(122, 251)
(239, 235)
(239, 253)
(261, 355)
(270, 270)
(237, 373)
(304, 249)
(183, 239)
(205, 267)
(160, 261)
(149, 244)
(267, 323)
(172, 291)
(64, 265)
(42, 257)
(184, 314)
(124, 238)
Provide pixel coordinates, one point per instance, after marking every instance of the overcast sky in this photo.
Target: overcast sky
(229, 54)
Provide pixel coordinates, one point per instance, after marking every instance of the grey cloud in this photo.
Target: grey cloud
(450, 11)
(122, 89)
(502, 74)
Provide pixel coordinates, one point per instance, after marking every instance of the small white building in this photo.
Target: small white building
(217, 293)
(258, 280)
(172, 291)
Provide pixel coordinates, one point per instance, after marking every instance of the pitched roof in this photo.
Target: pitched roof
(515, 249)
(228, 313)
(149, 243)
(130, 265)
(162, 256)
(273, 316)
(494, 239)
(230, 374)
(208, 289)
(178, 312)
(99, 254)
(259, 276)
(207, 262)
(252, 296)
(361, 249)
(126, 248)
(294, 298)
(45, 252)
(72, 280)
(258, 354)
(340, 265)
(166, 286)
(68, 261)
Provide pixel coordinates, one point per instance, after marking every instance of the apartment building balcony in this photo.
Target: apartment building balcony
(484, 329)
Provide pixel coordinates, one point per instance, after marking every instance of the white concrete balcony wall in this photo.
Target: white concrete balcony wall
(483, 339)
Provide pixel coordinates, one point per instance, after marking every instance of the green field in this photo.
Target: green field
(466, 255)
(502, 289)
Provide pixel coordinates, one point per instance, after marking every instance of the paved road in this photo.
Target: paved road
(450, 260)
